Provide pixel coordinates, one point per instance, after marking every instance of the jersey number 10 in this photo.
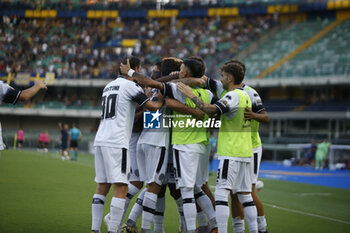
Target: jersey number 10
(109, 106)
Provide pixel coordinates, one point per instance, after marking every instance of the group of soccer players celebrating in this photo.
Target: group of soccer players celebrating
(127, 156)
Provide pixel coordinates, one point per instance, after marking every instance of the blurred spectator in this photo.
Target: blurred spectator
(321, 154)
(74, 136)
(64, 140)
(46, 140)
(20, 138)
(309, 156)
(41, 141)
(88, 48)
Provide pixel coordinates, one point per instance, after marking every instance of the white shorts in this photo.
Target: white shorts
(153, 162)
(203, 171)
(135, 173)
(112, 165)
(186, 166)
(234, 175)
(255, 164)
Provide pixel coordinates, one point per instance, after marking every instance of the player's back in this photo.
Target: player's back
(119, 99)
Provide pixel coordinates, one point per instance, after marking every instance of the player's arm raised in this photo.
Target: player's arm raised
(30, 92)
(193, 82)
(167, 78)
(144, 79)
(209, 109)
(180, 107)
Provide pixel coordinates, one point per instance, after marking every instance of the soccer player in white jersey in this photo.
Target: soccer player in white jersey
(152, 157)
(234, 145)
(186, 153)
(9, 95)
(135, 184)
(112, 162)
(256, 114)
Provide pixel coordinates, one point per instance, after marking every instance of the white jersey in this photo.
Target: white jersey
(8, 94)
(171, 90)
(257, 105)
(119, 99)
(156, 137)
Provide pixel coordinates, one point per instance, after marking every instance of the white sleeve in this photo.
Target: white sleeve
(257, 105)
(215, 86)
(212, 98)
(228, 104)
(171, 90)
(8, 94)
(136, 93)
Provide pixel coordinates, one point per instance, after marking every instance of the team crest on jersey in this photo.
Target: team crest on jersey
(152, 120)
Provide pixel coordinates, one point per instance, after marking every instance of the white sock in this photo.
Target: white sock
(262, 223)
(204, 202)
(132, 191)
(98, 202)
(158, 218)
(202, 219)
(136, 210)
(149, 208)
(222, 210)
(250, 212)
(238, 225)
(189, 208)
(179, 205)
(117, 208)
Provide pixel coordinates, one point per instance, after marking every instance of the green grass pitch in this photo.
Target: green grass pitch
(41, 193)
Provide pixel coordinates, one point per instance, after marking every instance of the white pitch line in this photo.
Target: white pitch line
(299, 211)
(313, 194)
(307, 213)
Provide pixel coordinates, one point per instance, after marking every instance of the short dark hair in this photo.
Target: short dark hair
(236, 61)
(134, 62)
(169, 65)
(158, 64)
(196, 68)
(236, 69)
(197, 58)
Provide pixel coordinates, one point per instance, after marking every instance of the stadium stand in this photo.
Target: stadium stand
(146, 4)
(280, 45)
(89, 49)
(335, 60)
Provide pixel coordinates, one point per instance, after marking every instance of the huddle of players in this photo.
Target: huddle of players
(122, 156)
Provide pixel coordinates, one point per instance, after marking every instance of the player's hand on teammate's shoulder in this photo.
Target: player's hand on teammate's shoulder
(124, 68)
(205, 78)
(186, 90)
(248, 114)
(159, 96)
(148, 92)
(40, 83)
(174, 73)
